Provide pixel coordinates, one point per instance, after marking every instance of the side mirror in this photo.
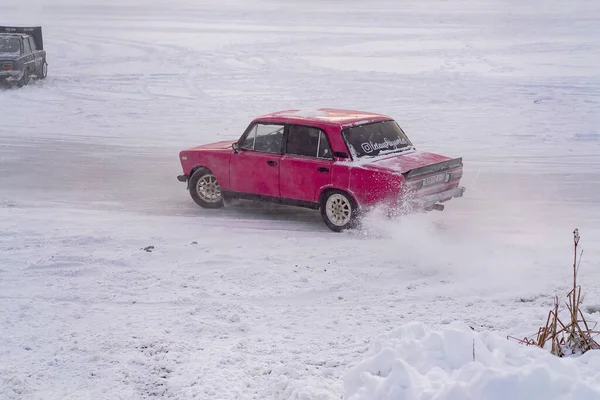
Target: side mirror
(236, 147)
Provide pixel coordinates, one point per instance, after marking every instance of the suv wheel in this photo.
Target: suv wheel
(24, 79)
(44, 72)
(205, 189)
(338, 210)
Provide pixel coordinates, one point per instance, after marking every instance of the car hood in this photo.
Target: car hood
(401, 163)
(222, 145)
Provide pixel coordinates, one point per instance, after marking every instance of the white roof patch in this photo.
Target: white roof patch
(304, 113)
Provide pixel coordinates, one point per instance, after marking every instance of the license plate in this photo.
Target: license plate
(432, 180)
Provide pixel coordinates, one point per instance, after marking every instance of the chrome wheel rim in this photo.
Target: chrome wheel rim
(44, 69)
(208, 189)
(338, 209)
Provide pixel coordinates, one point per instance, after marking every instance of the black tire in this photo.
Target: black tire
(338, 203)
(205, 189)
(24, 79)
(44, 70)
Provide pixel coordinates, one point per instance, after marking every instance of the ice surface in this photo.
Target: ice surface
(262, 301)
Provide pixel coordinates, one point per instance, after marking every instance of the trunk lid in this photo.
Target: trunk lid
(414, 163)
(425, 173)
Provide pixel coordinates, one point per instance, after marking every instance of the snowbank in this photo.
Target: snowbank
(414, 362)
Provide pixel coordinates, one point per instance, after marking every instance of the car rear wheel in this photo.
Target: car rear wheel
(205, 189)
(24, 79)
(338, 210)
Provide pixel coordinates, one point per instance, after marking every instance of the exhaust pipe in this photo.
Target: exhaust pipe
(438, 207)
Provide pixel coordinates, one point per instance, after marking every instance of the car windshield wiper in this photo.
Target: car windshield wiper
(387, 152)
(400, 150)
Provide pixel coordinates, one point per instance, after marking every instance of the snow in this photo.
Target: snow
(415, 362)
(308, 113)
(258, 301)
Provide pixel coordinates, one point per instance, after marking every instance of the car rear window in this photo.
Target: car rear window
(10, 46)
(376, 138)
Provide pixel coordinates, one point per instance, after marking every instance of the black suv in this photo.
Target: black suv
(22, 55)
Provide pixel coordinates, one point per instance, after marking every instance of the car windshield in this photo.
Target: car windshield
(10, 46)
(376, 138)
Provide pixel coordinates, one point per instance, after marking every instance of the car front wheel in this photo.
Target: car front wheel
(338, 210)
(205, 189)
(44, 72)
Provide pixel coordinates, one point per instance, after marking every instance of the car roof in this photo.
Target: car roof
(330, 116)
(13, 35)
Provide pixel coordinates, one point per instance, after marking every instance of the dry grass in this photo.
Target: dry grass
(574, 337)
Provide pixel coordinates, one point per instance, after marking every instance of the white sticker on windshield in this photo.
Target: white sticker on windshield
(369, 147)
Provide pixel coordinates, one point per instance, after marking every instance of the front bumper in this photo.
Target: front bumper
(184, 178)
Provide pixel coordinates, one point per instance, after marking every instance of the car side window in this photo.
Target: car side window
(324, 150)
(265, 138)
(307, 141)
(26, 48)
(248, 142)
(32, 44)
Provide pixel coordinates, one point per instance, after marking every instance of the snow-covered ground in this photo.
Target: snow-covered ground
(263, 302)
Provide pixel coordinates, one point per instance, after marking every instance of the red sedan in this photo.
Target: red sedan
(339, 161)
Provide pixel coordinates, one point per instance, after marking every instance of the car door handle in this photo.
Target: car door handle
(272, 163)
(322, 169)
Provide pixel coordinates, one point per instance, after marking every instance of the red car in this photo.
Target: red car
(339, 161)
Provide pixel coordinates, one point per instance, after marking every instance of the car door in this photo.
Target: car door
(306, 164)
(28, 56)
(36, 54)
(254, 168)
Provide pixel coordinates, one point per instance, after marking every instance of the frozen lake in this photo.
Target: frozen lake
(261, 301)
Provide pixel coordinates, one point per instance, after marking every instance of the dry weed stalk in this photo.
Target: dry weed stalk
(571, 338)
